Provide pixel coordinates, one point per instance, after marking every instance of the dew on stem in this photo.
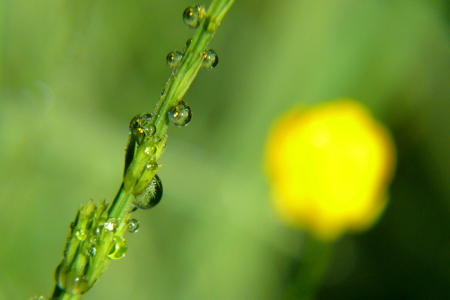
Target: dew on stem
(92, 251)
(180, 115)
(193, 15)
(81, 234)
(140, 126)
(89, 252)
(151, 196)
(110, 224)
(174, 58)
(210, 59)
(133, 226)
(119, 249)
(70, 281)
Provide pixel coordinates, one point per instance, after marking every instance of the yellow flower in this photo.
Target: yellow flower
(329, 168)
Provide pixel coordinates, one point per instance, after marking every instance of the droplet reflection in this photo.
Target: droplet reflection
(180, 115)
(174, 58)
(151, 196)
(193, 15)
(210, 59)
(133, 226)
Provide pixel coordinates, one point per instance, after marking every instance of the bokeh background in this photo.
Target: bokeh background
(74, 73)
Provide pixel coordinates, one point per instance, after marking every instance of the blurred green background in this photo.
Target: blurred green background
(74, 73)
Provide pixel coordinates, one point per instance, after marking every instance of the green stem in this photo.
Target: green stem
(120, 204)
(91, 242)
(311, 270)
(185, 73)
(61, 295)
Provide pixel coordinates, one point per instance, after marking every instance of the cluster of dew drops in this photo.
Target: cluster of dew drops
(110, 224)
(69, 280)
(192, 17)
(180, 115)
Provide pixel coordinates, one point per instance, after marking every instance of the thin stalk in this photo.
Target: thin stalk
(96, 235)
(311, 270)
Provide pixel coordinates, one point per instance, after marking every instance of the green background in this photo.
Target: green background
(74, 73)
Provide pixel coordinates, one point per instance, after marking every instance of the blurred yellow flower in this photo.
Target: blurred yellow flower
(329, 168)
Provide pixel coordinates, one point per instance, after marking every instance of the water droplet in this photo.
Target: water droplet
(174, 58)
(92, 251)
(180, 115)
(133, 226)
(37, 298)
(149, 131)
(81, 234)
(140, 126)
(151, 195)
(150, 150)
(110, 224)
(186, 46)
(210, 59)
(70, 281)
(60, 274)
(93, 240)
(98, 230)
(75, 284)
(152, 165)
(119, 249)
(193, 15)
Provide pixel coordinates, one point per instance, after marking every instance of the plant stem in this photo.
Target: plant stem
(96, 235)
(311, 270)
(185, 73)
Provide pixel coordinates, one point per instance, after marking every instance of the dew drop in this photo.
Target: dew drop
(174, 58)
(180, 115)
(37, 298)
(119, 249)
(110, 224)
(92, 251)
(210, 59)
(150, 130)
(140, 126)
(151, 196)
(150, 150)
(60, 274)
(70, 281)
(93, 240)
(193, 15)
(81, 234)
(152, 165)
(75, 284)
(133, 226)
